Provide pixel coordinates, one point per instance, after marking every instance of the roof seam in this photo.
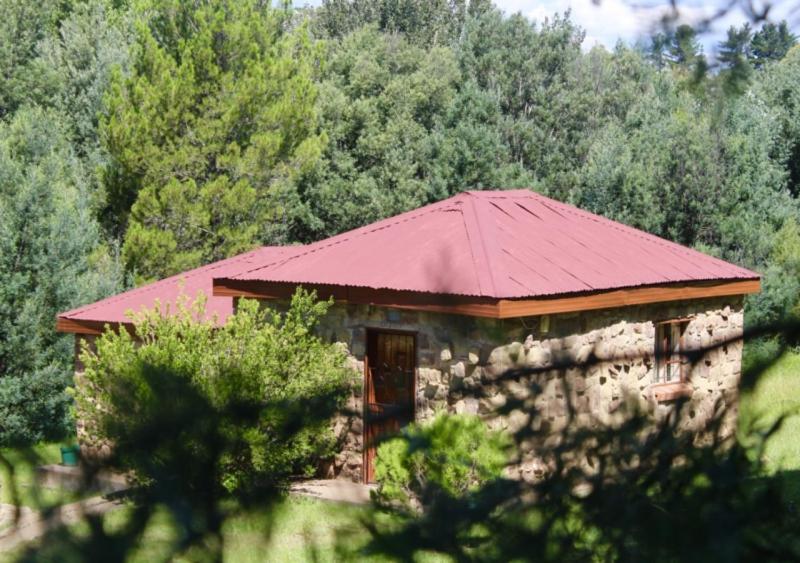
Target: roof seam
(479, 246)
(625, 229)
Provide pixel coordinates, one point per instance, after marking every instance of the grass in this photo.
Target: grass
(301, 529)
(297, 529)
(777, 394)
(24, 464)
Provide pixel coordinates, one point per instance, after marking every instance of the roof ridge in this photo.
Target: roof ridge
(480, 236)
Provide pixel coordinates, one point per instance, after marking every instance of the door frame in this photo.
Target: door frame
(368, 332)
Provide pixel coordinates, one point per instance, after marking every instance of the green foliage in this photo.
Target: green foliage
(73, 69)
(207, 134)
(424, 22)
(530, 70)
(201, 129)
(379, 104)
(734, 54)
(51, 259)
(250, 377)
(777, 86)
(23, 25)
(451, 455)
(771, 43)
(680, 50)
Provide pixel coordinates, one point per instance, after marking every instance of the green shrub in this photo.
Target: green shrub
(452, 455)
(249, 402)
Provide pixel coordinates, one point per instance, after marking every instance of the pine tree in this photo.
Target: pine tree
(208, 133)
(771, 43)
(51, 259)
(734, 55)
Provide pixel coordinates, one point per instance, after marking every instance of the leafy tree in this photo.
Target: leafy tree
(656, 49)
(423, 22)
(736, 48)
(468, 148)
(734, 54)
(23, 25)
(74, 67)
(257, 377)
(778, 298)
(683, 48)
(672, 167)
(207, 134)
(380, 102)
(679, 49)
(51, 259)
(529, 70)
(777, 86)
(655, 171)
(771, 43)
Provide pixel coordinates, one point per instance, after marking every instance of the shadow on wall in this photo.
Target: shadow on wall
(640, 485)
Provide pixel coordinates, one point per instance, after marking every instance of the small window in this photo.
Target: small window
(671, 364)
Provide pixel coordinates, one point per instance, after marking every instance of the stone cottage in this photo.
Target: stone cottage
(439, 302)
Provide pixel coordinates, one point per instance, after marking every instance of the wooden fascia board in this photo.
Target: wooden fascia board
(86, 327)
(453, 304)
(493, 308)
(625, 298)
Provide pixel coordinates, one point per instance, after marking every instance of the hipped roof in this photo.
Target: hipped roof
(495, 244)
(481, 247)
(191, 284)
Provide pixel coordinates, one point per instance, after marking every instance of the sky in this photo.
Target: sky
(607, 21)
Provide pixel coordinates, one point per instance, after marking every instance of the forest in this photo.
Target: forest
(141, 138)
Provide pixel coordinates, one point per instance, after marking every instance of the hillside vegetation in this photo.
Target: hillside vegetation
(139, 138)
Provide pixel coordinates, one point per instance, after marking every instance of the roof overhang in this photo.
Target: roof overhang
(76, 326)
(491, 307)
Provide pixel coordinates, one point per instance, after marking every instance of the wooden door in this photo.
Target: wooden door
(390, 381)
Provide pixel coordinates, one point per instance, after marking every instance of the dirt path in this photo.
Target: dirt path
(337, 490)
(31, 524)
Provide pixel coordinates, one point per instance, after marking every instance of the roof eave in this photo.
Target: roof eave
(494, 307)
(90, 328)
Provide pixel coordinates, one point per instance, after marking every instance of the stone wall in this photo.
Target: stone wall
(92, 446)
(593, 361)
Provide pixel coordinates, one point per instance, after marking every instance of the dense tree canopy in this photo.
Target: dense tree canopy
(51, 259)
(182, 132)
(208, 132)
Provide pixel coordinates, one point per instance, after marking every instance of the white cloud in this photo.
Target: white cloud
(607, 21)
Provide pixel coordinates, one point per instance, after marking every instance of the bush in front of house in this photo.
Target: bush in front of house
(240, 407)
(453, 454)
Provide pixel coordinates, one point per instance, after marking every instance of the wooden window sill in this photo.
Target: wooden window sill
(663, 392)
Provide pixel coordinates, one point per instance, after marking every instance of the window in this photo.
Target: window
(671, 364)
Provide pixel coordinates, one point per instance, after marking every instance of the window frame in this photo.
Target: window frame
(669, 351)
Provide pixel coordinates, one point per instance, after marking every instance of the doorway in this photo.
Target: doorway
(390, 380)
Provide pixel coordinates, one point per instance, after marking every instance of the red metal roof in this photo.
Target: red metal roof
(499, 244)
(115, 309)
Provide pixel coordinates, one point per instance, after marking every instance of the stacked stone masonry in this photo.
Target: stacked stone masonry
(596, 360)
(593, 360)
